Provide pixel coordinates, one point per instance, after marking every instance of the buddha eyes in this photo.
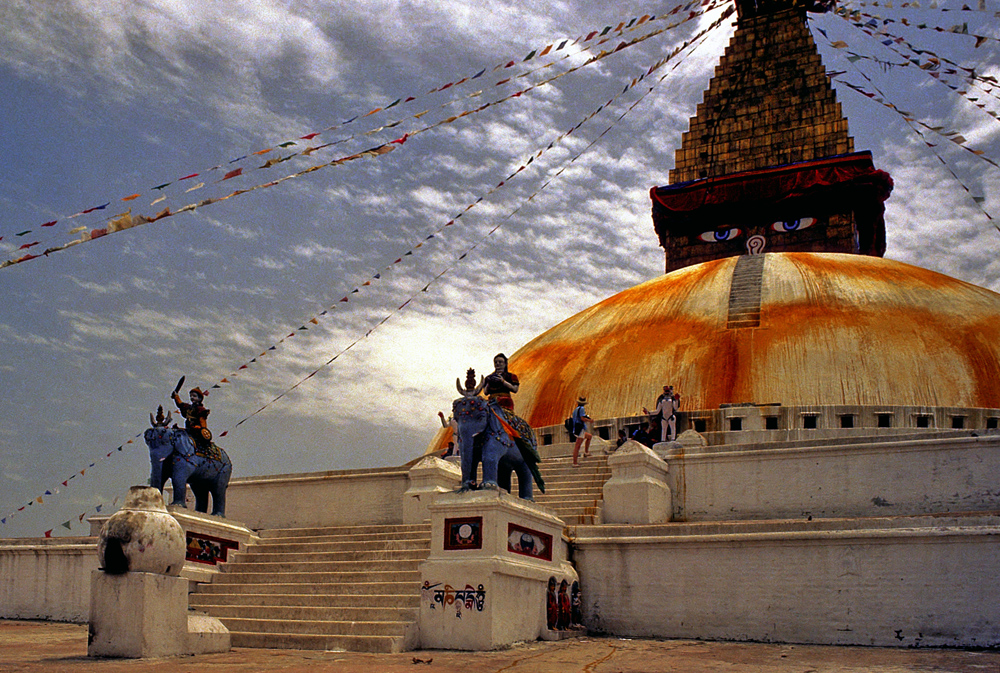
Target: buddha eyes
(781, 226)
(793, 225)
(718, 235)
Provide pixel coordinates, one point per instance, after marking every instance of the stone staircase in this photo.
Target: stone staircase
(575, 494)
(357, 588)
(351, 588)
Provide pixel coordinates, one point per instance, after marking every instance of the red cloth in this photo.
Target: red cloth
(773, 184)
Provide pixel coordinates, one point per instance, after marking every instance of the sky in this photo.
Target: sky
(106, 100)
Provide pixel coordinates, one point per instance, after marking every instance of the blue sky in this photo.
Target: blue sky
(105, 100)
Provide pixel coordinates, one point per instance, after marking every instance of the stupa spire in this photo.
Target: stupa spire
(770, 102)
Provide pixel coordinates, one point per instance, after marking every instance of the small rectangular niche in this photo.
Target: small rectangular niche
(699, 425)
(958, 422)
(736, 423)
(546, 439)
(992, 423)
(770, 422)
(847, 420)
(883, 419)
(810, 421)
(923, 420)
(604, 432)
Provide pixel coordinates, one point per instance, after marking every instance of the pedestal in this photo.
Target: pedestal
(637, 491)
(429, 478)
(137, 615)
(485, 583)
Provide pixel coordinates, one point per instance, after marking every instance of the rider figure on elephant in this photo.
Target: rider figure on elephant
(501, 383)
(491, 433)
(196, 422)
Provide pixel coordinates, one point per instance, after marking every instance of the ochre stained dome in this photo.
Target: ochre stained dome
(835, 329)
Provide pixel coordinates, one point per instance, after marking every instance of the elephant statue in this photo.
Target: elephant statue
(172, 456)
(485, 435)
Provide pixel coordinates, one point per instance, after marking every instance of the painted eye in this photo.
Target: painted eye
(719, 235)
(793, 225)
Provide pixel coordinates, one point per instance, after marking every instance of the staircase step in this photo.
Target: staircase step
(316, 627)
(282, 586)
(302, 641)
(361, 555)
(297, 545)
(393, 531)
(299, 567)
(308, 614)
(388, 600)
(236, 575)
(345, 537)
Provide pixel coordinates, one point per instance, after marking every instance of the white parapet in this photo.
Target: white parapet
(637, 491)
(486, 581)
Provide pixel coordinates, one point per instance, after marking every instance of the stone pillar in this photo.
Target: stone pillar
(428, 478)
(485, 582)
(637, 491)
(138, 601)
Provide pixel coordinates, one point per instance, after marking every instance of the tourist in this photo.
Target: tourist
(622, 438)
(581, 430)
(665, 412)
(647, 434)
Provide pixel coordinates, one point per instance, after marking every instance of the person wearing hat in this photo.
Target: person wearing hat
(580, 429)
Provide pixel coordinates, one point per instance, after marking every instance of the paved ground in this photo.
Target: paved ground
(48, 647)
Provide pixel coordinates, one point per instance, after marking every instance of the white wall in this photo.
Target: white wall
(877, 479)
(318, 499)
(47, 578)
(899, 588)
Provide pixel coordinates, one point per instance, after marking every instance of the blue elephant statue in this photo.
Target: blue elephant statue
(172, 456)
(484, 439)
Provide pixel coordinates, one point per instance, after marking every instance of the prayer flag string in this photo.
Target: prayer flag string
(880, 97)
(315, 320)
(126, 220)
(728, 12)
(586, 42)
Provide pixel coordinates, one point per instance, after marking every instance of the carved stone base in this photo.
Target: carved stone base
(486, 579)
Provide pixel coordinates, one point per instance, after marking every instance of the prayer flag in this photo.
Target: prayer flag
(233, 174)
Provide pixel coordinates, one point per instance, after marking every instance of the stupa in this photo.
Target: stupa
(777, 312)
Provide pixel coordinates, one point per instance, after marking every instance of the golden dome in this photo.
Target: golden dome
(834, 329)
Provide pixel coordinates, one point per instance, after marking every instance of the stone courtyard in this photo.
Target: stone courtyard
(46, 647)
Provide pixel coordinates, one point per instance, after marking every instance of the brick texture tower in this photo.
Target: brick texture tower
(768, 155)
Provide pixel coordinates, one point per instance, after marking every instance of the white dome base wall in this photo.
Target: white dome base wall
(933, 587)
(838, 480)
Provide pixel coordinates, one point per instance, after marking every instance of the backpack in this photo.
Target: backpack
(570, 427)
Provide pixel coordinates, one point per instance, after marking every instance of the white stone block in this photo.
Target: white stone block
(637, 491)
(429, 478)
(137, 615)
